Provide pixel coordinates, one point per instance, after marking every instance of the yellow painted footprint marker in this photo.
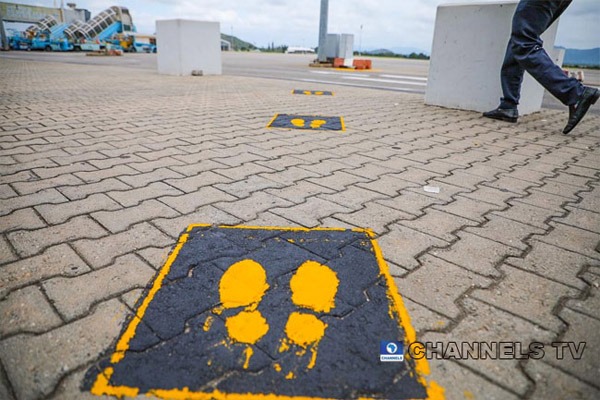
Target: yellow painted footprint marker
(314, 124)
(317, 123)
(299, 122)
(314, 287)
(244, 285)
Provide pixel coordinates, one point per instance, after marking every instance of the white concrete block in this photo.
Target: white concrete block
(346, 46)
(469, 43)
(184, 46)
(340, 46)
(332, 45)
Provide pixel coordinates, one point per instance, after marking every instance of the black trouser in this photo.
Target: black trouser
(525, 53)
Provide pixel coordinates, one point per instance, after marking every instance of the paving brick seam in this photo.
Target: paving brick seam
(510, 264)
(561, 304)
(153, 224)
(64, 321)
(485, 377)
(52, 306)
(307, 198)
(48, 224)
(57, 187)
(5, 294)
(496, 280)
(567, 249)
(65, 375)
(466, 191)
(92, 307)
(441, 206)
(585, 294)
(4, 380)
(530, 392)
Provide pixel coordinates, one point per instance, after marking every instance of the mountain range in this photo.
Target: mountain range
(588, 57)
(394, 50)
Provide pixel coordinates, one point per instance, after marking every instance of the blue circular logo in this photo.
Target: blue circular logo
(391, 348)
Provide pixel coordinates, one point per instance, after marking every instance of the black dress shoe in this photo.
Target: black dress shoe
(590, 96)
(503, 114)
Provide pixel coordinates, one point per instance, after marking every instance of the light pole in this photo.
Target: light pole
(323, 30)
(232, 45)
(360, 41)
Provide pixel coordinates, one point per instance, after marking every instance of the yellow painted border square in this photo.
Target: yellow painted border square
(324, 93)
(342, 125)
(102, 386)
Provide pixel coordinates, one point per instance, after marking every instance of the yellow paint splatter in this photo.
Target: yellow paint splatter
(314, 286)
(243, 284)
(468, 395)
(304, 329)
(277, 367)
(207, 324)
(284, 346)
(247, 327)
(290, 375)
(218, 310)
(248, 353)
(313, 357)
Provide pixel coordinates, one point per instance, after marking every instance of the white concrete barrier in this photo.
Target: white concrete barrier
(184, 46)
(469, 43)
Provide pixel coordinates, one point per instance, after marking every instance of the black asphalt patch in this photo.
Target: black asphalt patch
(180, 342)
(310, 122)
(312, 92)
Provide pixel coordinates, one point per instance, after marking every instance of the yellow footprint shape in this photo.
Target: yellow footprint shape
(244, 285)
(313, 287)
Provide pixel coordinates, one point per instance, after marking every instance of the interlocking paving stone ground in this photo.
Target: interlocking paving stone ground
(101, 167)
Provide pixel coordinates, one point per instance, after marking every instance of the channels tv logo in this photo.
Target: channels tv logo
(391, 351)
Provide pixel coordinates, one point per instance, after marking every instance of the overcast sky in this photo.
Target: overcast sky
(386, 23)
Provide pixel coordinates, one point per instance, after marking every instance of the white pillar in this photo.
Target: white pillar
(184, 46)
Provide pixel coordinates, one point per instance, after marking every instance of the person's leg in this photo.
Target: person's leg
(511, 73)
(531, 19)
(511, 77)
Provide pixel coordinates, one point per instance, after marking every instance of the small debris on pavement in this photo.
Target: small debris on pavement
(431, 189)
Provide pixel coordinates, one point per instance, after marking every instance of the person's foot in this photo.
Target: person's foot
(503, 114)
(590, 96)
